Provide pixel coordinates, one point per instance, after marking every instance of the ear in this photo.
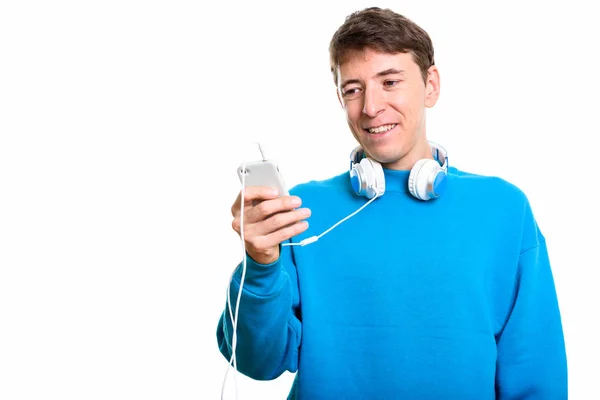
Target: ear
(432, 87)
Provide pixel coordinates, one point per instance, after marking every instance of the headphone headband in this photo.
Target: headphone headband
(439, 154)
(437, 151)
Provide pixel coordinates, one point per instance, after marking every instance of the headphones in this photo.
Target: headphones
(427, 179)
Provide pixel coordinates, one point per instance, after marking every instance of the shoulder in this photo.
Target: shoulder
(494, 188)
(504, 199)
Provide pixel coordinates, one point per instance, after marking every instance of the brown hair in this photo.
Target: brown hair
(382, 30)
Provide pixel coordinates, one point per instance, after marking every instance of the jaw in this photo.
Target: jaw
(395, 148)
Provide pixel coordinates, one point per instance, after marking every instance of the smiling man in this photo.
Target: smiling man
(441, 288)
(385, 96)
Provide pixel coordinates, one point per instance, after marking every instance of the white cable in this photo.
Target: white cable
(313, 239)
(234, 319)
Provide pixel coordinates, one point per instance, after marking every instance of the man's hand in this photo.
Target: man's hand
(268, 221)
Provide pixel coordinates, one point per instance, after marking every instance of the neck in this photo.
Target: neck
(419, 151)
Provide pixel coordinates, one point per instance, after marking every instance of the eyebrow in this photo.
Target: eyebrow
(389, 71)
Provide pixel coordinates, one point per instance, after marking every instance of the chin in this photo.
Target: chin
(385, 157)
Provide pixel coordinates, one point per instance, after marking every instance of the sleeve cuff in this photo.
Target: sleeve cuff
(261, 280)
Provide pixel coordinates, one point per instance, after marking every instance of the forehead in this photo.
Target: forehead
(365, 64)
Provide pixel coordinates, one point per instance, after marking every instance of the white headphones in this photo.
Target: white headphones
(427, 179)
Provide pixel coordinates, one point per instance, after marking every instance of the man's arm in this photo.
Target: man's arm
(268, 327)
(532, 360)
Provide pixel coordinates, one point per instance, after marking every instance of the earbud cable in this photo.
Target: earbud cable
(313, 239)
(234, 319)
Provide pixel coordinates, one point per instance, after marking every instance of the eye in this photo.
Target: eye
(390, 83)
(351, 91)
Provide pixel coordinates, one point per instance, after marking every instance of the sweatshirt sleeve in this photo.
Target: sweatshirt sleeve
(531, 361)
(268, 327)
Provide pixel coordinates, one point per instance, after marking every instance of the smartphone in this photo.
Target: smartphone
(262, 173)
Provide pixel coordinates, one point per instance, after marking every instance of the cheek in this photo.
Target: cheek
(410, 107)
(353, 125)
(403, 108)
(353, 113)
(353, 120)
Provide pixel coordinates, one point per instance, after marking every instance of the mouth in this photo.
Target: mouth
(379, 129)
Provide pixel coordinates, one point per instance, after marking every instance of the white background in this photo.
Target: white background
(122, 124)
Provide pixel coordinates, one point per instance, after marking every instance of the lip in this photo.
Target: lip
(377, 136)
(378, 125)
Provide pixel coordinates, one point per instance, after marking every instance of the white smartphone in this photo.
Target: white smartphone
(262, 173)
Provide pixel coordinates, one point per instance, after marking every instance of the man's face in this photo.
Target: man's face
(384, 97)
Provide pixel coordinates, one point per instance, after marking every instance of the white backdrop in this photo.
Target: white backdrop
(121, 126)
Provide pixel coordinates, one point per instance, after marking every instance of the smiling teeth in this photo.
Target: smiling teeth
(380, 129)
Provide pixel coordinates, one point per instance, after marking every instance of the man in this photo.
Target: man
(426, 293)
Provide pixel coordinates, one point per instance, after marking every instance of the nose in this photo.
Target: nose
(374, 103)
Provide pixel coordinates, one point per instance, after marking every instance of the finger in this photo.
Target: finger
(280, 220)
(285, 233)
(252, 194)
(267, 208)
(275, 238)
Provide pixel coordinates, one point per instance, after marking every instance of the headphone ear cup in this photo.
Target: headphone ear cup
(412, 178)
(357, 179)
(367, 178)
(376, 186)
(427, 179)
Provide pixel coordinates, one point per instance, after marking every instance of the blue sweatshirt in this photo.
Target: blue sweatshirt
(451, 298)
